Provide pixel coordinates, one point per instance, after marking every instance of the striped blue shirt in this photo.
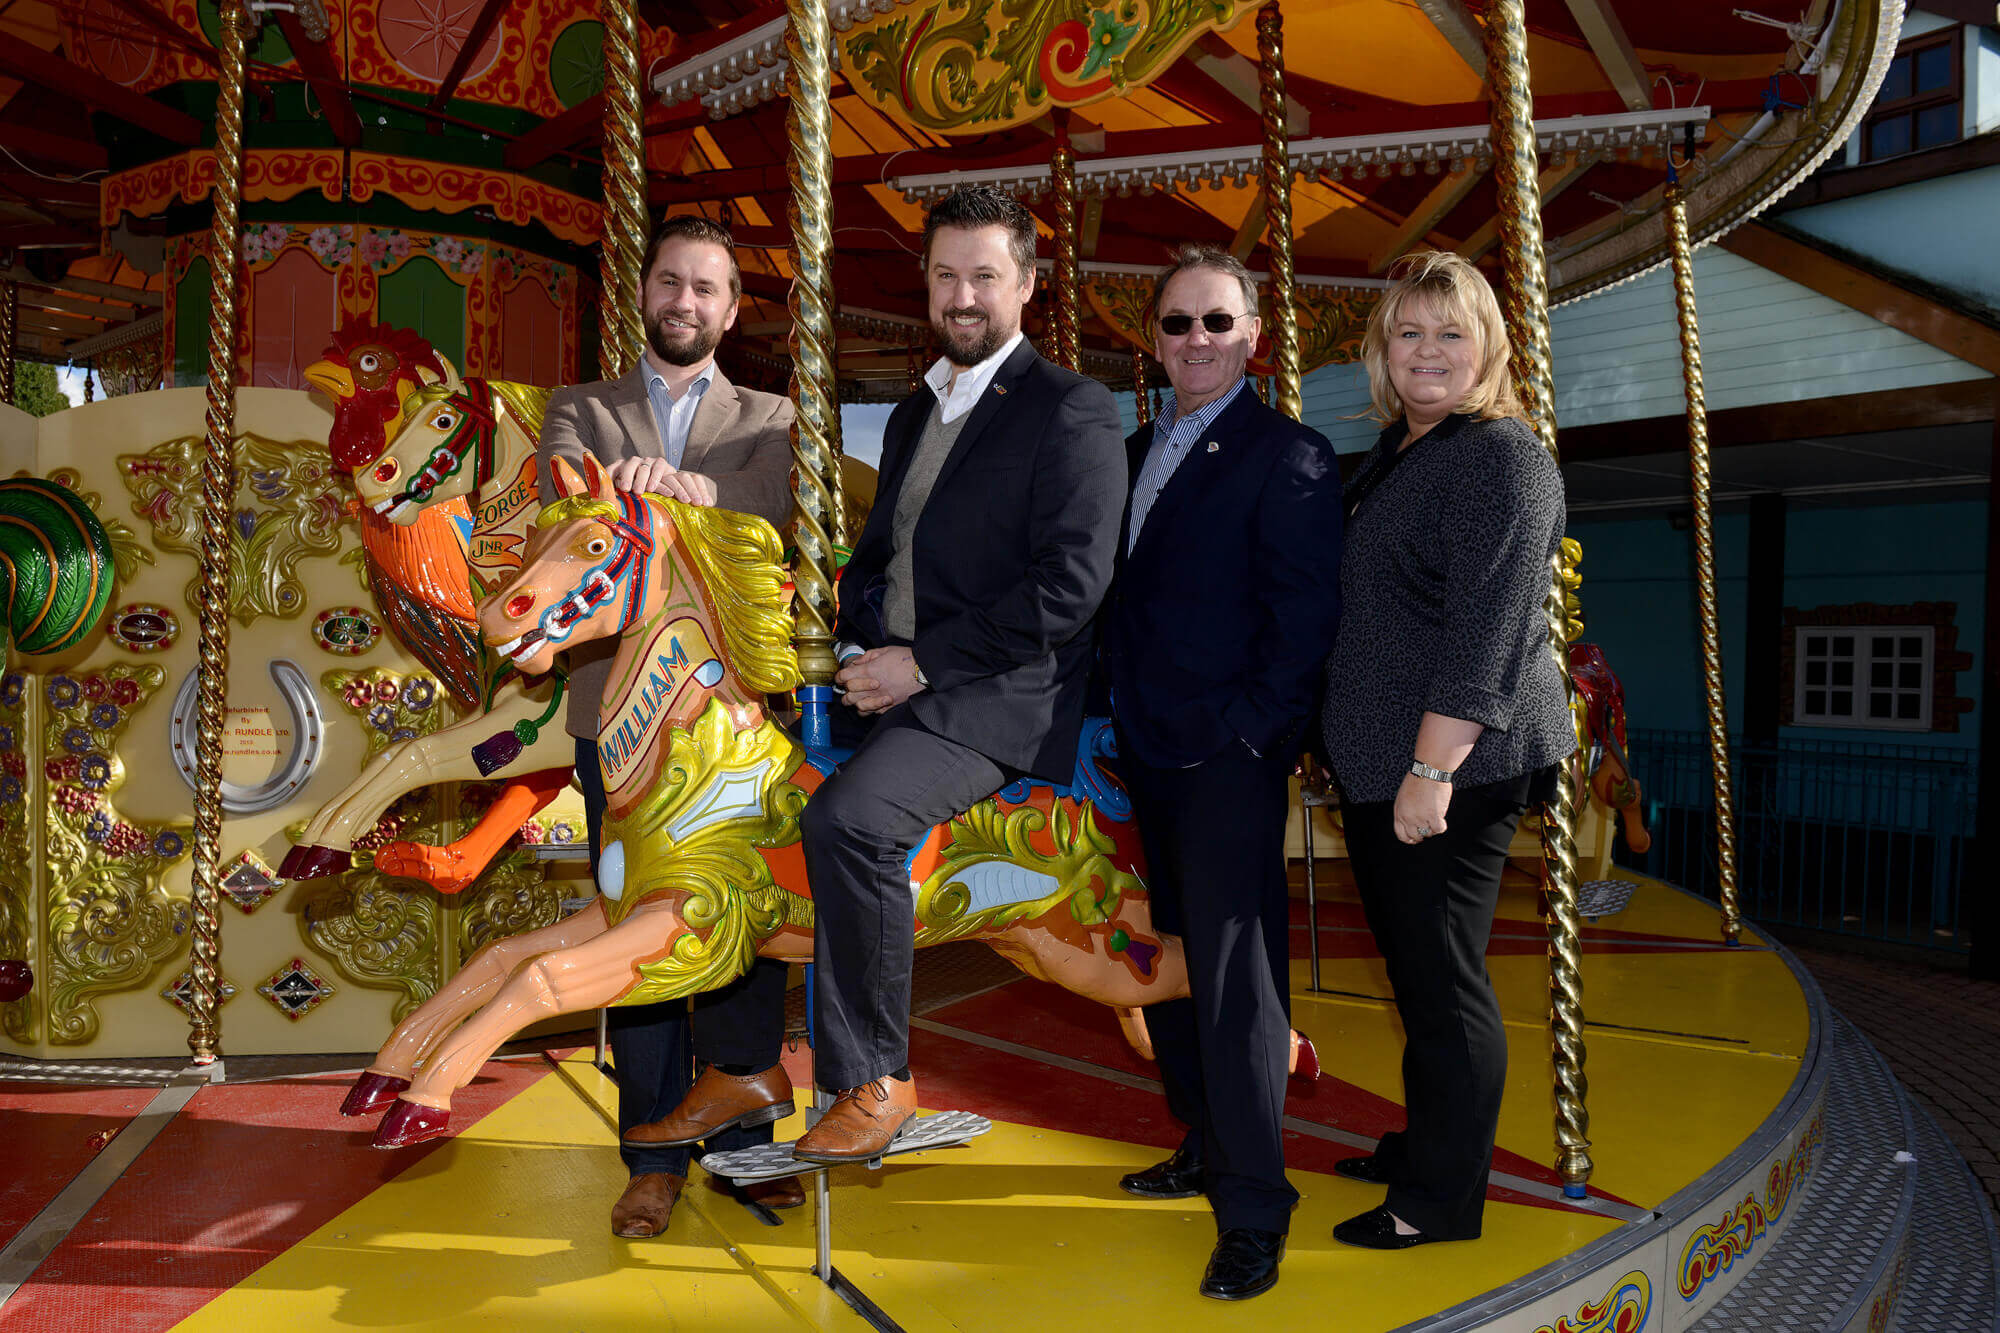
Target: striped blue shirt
(1173, 437)
(675, 416)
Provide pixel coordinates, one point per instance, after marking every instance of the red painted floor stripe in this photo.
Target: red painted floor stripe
(242, 1174)
(1046, 1017)
(52, 1130)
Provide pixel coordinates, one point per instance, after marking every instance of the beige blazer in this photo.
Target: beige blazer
(740, 439)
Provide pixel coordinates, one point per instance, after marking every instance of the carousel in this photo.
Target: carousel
(276, 806)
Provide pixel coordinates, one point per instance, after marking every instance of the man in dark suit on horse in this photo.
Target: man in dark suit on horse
(972, 588)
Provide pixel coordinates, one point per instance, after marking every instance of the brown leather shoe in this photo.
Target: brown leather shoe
(720, 1101)
(647, 1205)
(861, 1123)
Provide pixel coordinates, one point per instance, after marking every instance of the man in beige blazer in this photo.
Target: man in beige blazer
(674, 425)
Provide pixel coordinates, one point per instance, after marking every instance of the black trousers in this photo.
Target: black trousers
(653, 1051)
(1215, 857)
(857, 835)
(1431, 909)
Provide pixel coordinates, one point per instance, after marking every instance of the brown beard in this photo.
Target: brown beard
(697, 350)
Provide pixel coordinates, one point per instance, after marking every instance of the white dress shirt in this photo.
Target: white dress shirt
(955, 401)
(675, 416)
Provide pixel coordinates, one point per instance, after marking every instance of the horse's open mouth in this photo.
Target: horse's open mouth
(517, 649)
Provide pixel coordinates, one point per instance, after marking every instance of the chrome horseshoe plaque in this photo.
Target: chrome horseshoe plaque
(297, 692)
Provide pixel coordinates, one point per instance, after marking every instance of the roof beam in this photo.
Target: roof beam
(555, 134)
(42, 298)
(68, 325)
(475, 37)
(1613, 49)
(164, 27)
(1551, 183)
(110, 291)
(1877, 297)
(1238, 76)
(1446, 195)
(46, 236)
(31, 64)
(41, 190)
(81, 154)
(324, 76)
(1455, 23)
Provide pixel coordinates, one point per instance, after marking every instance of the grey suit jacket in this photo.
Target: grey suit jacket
(740, 438)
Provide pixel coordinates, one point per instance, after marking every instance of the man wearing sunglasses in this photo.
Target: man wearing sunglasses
(1222, 610)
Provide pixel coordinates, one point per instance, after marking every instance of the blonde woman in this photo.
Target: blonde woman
(1445, 718)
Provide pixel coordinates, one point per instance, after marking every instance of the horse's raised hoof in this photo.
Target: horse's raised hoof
(16, 979)
(313, 862)
(440, 867)
(371, 1092)
(409, 1123)
(1305, 1060)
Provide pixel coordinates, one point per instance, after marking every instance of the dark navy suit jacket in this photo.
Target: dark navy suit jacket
(1221, 617)
(1011, 555)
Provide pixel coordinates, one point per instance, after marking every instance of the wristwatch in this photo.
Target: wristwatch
(1424, 770)
(923, 681)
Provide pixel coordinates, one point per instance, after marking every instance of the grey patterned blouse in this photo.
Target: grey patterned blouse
(1442, 579)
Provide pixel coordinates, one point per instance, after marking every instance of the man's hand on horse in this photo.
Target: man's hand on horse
(656, 476)
(879, 679)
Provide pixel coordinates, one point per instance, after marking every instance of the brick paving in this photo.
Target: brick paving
(1940, 1032)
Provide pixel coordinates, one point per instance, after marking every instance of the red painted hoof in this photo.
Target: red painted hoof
(16, 979)
(408, 1123)
(1305, 1060)
(313, 862)
(371, 1092)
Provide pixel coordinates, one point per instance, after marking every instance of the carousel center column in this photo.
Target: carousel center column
(1525, 302)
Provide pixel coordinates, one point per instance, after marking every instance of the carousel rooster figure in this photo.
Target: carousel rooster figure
(420, 575)
(418, 572)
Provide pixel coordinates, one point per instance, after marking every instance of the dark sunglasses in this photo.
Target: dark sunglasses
(1214, 322)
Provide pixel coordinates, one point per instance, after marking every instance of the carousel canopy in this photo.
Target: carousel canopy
(108, 115)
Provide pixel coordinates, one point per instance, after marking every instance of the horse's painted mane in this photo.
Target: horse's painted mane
(736, 557)
(527, 402)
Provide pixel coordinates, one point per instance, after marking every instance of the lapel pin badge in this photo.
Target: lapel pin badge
(999, 388)
(1213, 447)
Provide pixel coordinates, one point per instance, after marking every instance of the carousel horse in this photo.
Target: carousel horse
(1611, 780)
(59, 571)
(455, 443)
(701, 870)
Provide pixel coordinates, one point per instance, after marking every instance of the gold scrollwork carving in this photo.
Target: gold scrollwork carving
(289, 506)
(17, 926)
(1079, 866)
(968, 66)
(379, 933)
(110, 922)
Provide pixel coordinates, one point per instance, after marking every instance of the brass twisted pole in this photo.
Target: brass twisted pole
(1140, 406)
(1062, 182)
(1704, 559)
(1515, 171)
(620, 330)
(10, 311)
(1277, 177)
(218, 495)
(815, 426)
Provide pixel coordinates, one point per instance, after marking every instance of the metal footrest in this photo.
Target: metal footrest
(774, 1161)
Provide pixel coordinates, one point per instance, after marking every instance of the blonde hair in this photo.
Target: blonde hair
(1457, 293)
(736, 559)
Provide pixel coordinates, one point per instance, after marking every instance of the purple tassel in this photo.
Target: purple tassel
(496, 752)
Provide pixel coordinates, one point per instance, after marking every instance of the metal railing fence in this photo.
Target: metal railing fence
(1857, 837)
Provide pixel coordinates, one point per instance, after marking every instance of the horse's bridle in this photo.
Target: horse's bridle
(475, 428)
(623, 570)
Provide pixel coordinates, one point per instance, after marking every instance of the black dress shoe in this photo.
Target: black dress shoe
(1179, 1177)
(1245, 1264)
(1376, 1230)
(1369, 1170)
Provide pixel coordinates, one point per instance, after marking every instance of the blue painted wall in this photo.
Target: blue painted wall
(1945, 231)
(1639, 598)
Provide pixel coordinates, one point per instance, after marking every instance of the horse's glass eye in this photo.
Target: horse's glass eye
(596, 546)
(442, 421)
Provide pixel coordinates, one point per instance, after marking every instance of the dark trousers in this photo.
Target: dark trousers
(857, 835)
(1431, 909)
(652, 1050)
(1215, 859)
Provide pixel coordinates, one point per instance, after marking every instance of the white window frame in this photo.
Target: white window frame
(1865, 658)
